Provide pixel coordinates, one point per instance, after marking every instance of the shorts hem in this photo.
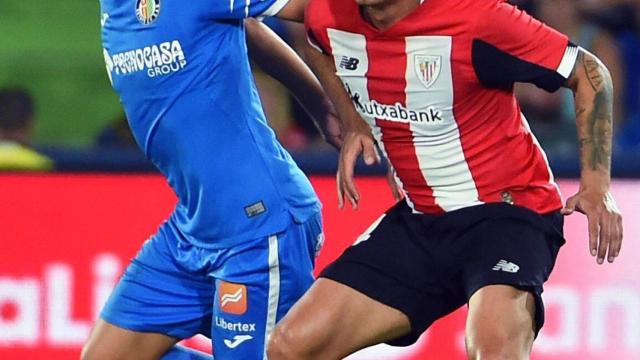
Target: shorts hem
(145, 328)
(340, 272)
(535, 290)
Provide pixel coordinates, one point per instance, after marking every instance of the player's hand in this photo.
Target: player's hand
(396, 190)
(605, 222)
(356, 141)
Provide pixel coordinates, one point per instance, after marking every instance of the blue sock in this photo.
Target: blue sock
(182, 353)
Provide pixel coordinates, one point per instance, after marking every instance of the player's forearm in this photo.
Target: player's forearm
(324, 68)
(278, 60)
(593, 90)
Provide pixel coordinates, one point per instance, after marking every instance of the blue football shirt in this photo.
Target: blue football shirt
(182, 73)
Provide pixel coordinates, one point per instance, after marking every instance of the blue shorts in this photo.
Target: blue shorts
(233, 296)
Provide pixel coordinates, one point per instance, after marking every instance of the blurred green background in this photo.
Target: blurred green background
(52, 48)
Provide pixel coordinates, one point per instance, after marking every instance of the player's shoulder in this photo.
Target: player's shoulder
(330, 13)
(468, 9)
(496, 8)
(487, 4)
(474, 9)
(487, 16)
(324, 6)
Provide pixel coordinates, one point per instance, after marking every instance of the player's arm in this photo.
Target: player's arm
(232, 9)
(591, 84)
(277, 59)
(514, 47)
(356, 133)
(294, 10)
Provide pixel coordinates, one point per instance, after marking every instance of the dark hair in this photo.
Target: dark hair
(16, 109)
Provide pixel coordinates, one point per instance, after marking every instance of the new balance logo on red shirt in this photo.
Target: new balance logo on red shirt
(349, 63)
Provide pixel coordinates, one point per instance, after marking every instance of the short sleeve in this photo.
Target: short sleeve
(511, 46)
(313, 28)
(239, 9)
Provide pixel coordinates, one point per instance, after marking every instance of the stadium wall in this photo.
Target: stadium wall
(65, 238)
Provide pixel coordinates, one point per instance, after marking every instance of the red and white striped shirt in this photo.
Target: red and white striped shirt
(437, 90)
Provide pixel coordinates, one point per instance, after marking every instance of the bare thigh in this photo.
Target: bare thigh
(332, 321)
(109, 342)
(500, 323)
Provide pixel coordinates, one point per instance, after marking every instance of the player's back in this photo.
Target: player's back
(183, 76)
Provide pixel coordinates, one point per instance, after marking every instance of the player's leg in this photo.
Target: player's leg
(510, 257)
(108, 341)
(178, 352)
(382, 289)
(332, 321)
(257, 284)
(140, 321)
(500, 323)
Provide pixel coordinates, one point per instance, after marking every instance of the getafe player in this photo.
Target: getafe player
(239, 248)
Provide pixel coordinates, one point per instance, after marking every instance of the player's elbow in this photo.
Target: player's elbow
(590, 74)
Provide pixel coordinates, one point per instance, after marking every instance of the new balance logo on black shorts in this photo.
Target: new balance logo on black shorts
(506, 266)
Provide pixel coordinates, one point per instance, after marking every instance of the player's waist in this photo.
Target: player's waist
(541, 198)
(221, 232)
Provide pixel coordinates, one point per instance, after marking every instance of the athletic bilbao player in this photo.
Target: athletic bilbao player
(239, 248)
(431, 83)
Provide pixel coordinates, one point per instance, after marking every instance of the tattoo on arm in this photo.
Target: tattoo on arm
(592, 68)
(595, 141)
(598, 142)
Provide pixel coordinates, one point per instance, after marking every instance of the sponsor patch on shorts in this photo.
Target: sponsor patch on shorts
(232, 298)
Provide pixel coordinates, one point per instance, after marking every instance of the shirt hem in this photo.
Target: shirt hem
(248, 236)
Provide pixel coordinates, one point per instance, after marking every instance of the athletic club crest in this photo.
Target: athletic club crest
(147, 11)
(428, 68)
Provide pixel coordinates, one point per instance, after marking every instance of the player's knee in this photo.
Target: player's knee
(283, 344)
(288, 343)
(499, 343)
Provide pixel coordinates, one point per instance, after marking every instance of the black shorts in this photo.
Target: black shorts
(428, 266)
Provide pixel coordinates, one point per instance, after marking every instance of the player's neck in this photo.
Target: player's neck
(384, 16)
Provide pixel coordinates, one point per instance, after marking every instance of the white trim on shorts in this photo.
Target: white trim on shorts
(274, 290)
(367, 234)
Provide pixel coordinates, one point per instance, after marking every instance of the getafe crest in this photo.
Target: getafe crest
(147, 11)
(428, 68)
